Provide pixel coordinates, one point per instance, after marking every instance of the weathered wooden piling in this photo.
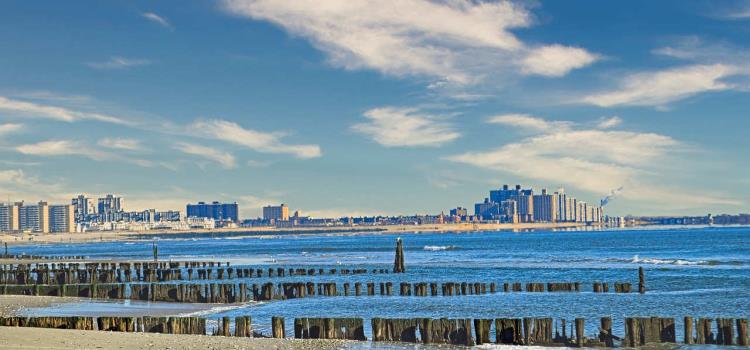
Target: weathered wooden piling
(226, 327)
(724, 331)
(277, 327)
(482, 330)
(398, 264)
(580, 338)
(605, 332)
(329, 328)
(243, 326)
(641, 281)
(742, 334)
(688, 330)
(508, 331)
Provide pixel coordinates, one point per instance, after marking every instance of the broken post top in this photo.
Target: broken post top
(398, 263)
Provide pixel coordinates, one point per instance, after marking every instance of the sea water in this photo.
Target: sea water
(699, 272)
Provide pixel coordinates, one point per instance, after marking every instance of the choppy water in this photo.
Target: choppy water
(690, 272)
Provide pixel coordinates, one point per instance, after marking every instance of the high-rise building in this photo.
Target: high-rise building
(487, 210)
(276, 212)
(62, 218)
(525, 200)
(83, 207)
(34, 218)
(110, 207)
(215, 210)
(545, 207)
(9, 217)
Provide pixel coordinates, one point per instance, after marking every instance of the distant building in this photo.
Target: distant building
(276, 213)
(9, 217)
(83, 207)
(214, 210)
(62, 218)
(545, 207)
(33, 218)
(460, 212)
(110, 207)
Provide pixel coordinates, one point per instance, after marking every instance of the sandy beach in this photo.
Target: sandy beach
(100, 236)
(13, 305)
(42, 338)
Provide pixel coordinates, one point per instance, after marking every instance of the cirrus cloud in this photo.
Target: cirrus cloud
(405, 127)
(258, 141)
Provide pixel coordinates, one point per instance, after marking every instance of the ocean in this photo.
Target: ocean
(699, 272)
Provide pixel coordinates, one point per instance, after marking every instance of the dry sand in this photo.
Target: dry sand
(42, 338)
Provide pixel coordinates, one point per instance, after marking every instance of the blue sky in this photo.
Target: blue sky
(389, 107)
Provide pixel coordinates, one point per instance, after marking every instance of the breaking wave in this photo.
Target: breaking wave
(679, 262)
(435, 248)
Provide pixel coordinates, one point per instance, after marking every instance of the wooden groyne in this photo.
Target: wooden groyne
(545, 331)
(67, 273)
(243, 292)
(329, 328)
(166, 325)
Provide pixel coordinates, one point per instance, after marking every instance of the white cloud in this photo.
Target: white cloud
(61, 148)
(608, 123)
(116, 62)
(556, 60)
(256, 140)
(157, 19)
(18, 185)
(528, 122)
(662, 87)
(36, 110)
(455, 41)
(9, 128)
(405, 127)
(121, 144)
(591, 160)
(226, 159)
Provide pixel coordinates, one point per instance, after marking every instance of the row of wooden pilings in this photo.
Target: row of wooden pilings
(517, 331)
(138, 272)
(639, 331)
(147, 324)
(242, 292)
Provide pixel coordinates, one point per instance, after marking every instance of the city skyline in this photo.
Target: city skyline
(384, 114)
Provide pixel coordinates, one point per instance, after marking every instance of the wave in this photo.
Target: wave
(218, 309)
(679, 262)
(435, 248)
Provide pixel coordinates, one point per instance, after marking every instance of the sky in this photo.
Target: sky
(352, 107)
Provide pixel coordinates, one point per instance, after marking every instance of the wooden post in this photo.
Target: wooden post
(225, 327)
(277, 326)
(605, 332)
(742, 335)
(641, 281)
(398, 264)
(579, 332)
(156, 252)
(688, 339)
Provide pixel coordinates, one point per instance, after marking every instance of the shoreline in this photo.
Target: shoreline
(115, 236)
(13, 305)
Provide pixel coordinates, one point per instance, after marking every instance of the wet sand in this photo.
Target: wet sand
(27, 305)
(41, 338)
(14, 305)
